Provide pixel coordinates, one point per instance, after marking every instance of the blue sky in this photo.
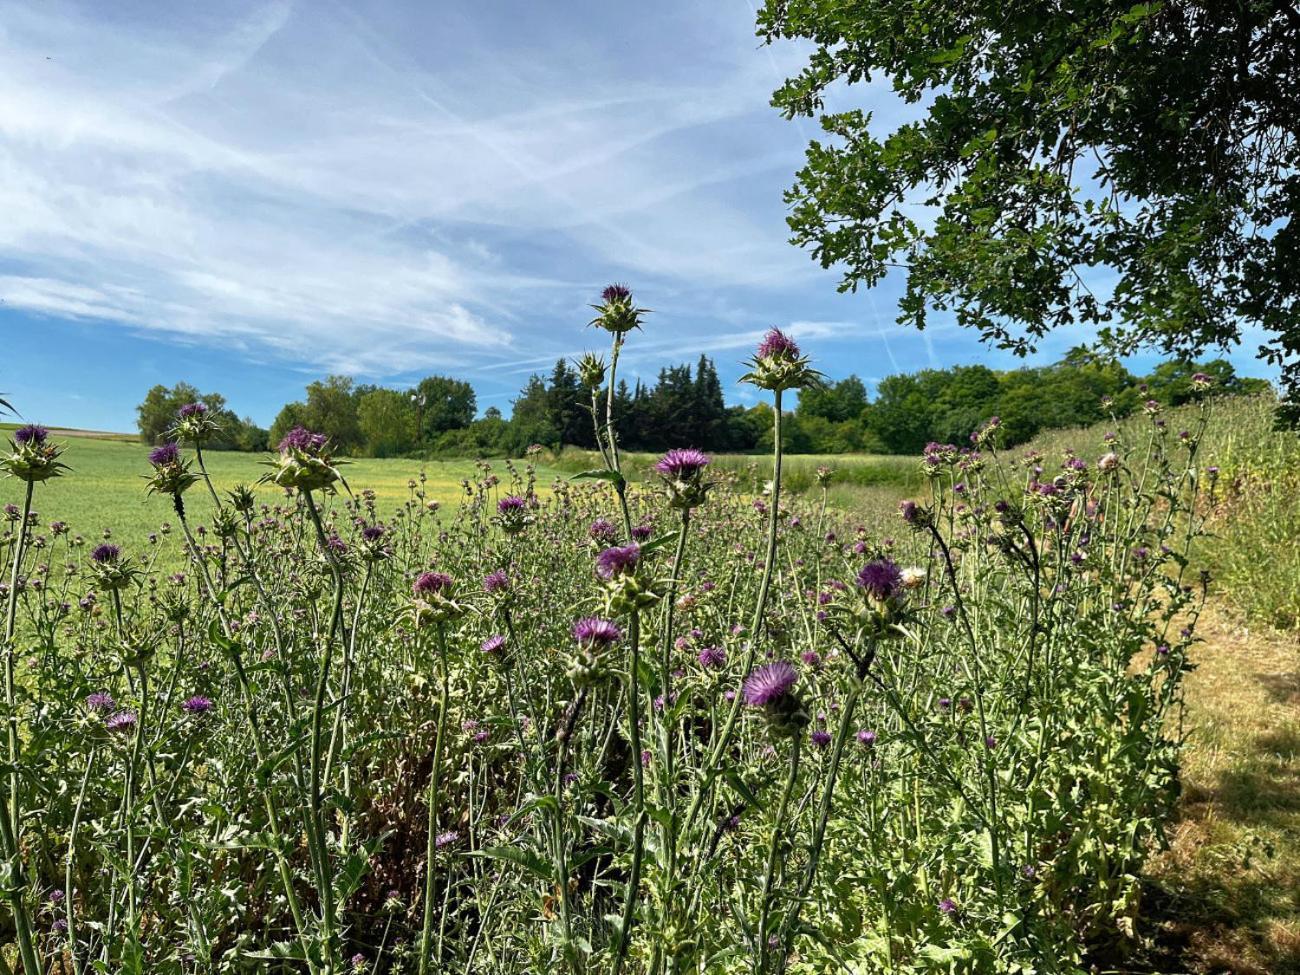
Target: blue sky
(248, 196)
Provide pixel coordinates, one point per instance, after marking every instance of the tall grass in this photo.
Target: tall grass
(753, 472)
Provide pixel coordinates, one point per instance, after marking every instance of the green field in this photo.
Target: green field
(106, 489)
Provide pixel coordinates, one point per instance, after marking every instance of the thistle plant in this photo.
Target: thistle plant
(33, 458)
(603, 725)
(171, 475)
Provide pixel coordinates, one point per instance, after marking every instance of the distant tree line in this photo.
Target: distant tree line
(685, 406)
(156, 414)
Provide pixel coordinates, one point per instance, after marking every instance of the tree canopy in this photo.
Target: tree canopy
(1127, 166)
(685, 406)
(157, 413)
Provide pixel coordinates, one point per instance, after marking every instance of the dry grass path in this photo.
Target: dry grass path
(1228, 890)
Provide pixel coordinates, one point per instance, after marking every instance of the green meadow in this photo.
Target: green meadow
(105, 488)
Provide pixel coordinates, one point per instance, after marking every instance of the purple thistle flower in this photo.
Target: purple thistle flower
(493, 645)
(641, 532)
(372, 533)
(769, 683)
(431, 583)
(106, 553)
(618, 561)
(602, 532)
(820, 737)
(165, 454)
(496, 581)
(446, 839)
(948, 906)
(197, 705)
(511, 504)
(682, 463)
(336, 545)
(616, 292)
(712, 657)
(300, 438)
(880, 579)
(866, 738)
(776, 344)
(100, 701)
(121, 723)
(192, 410)
(33, 433)
(595, 633)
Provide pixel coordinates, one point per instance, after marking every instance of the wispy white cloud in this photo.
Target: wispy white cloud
(305, 181)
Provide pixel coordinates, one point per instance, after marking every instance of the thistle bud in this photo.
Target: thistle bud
(915, 515)
(171, 475)
(594, 638)
(616, 314)
(512, 514)
(770, 689)
(683, 476)
(110, 570)
(591, 370)
(627, 588)
(32, 457)
(987, 433)
(778, 364)
(304, 462)
(242, 498)
(432, 603)
(882, 590)
(496, 648)
(195, 423)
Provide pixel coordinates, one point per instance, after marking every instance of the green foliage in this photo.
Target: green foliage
(836, 402)
(1021, 772)
(1154, 142)
(387, 422)
(1252, 550)
(443, 404)
(686, 406)
(156, 415)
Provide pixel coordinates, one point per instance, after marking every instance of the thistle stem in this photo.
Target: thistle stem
(12, 816)
(314, 794)
(638, 794)
(769, 872)
(431, 843)
(711, 767)
(259, 749)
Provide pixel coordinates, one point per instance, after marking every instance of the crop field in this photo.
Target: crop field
(681, 722)
(107, 487)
